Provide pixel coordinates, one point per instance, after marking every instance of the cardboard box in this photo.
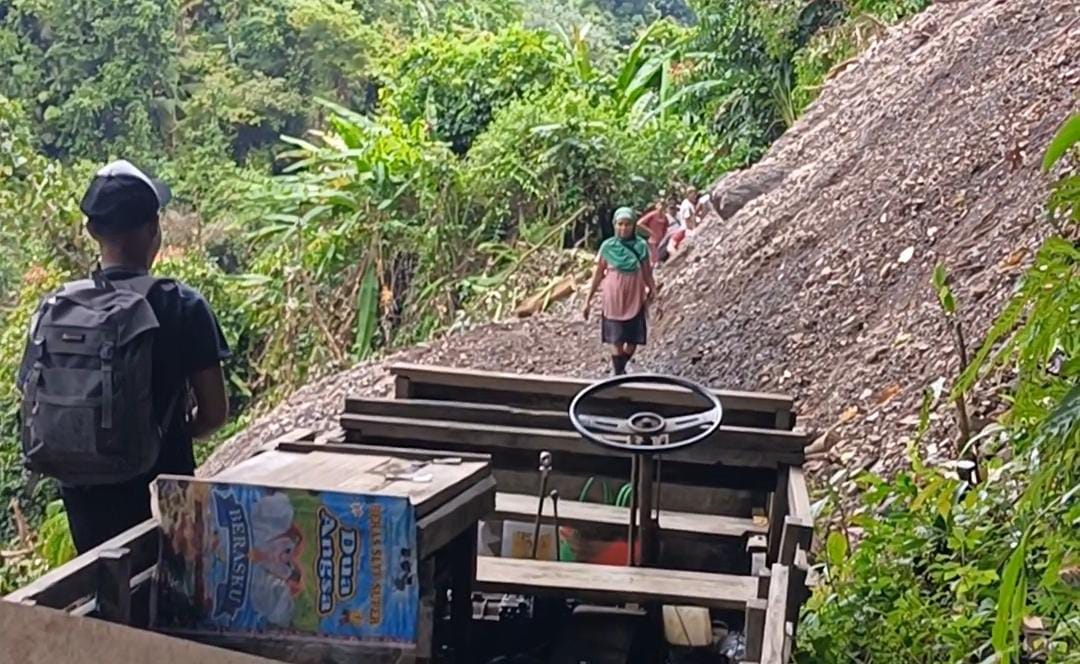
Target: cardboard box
(258, 561)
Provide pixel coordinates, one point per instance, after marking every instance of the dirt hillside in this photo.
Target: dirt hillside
(813, 279)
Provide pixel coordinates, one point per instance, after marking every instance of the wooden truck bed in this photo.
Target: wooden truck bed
(738, 502)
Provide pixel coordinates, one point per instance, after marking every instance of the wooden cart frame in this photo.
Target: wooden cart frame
(748, 478)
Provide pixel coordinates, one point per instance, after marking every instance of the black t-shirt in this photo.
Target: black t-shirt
(188, 340)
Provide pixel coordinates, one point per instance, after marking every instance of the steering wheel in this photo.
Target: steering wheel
(646, 432)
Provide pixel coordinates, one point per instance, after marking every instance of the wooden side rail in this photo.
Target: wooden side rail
(737, 446)
(791, 522)
(798, 531)
(102, 580)
(460, 411)
(609, 584)
(415, 381)
(522, 507)
(771, 619)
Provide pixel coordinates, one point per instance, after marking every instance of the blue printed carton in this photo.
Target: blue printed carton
(258, 561)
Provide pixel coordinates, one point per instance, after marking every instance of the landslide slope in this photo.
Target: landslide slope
(813, 279)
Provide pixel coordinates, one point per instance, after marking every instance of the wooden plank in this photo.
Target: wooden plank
(39, 635)
(463, 577)
(566, 387)
(754, 629)
(441, 526)
(797, 531)
(114, 586)
(522, 507)
(79, 577)
(760, 447)
(460, 411)
(300, 434)
(402, 387)
(797, 495)
(614, 585)
(797, 534)
(331, 471)
(708, 492)
(756, 476)
(772, 647)
(764, 576)
(400, 452)
(778, 509)
(757, 548)
(797, 591)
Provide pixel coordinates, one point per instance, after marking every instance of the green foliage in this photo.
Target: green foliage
(55, 544)
(38, 281)
(104, 76)
(231, 111)
(38, 204)
(939, 280)
(367, 197)
(336, 46)
(457, 82)
(1065, 200)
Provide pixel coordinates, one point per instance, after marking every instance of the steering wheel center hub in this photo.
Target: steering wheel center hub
(646, 423)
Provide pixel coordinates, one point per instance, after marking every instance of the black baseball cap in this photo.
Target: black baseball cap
(121, 197)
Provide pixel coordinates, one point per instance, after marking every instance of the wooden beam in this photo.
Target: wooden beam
(797, 534)
(114, 586)
(608, 584)
(754, 628)
(757, 548)
(797, 590)
(710, 494)
(402, 387)
(460, 411)
(778, 510)
(522, 507)
(462, 554)
(798, 527)
(78, 578)
(731, 445)
(555, 393)
(400, 452)
(568, 386)
(522, 463)
(441, 526)
(797, 495)
(772, 647)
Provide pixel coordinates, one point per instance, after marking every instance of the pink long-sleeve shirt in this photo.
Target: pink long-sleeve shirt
(623, 293)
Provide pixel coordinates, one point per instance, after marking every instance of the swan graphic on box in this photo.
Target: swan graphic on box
(260, 561)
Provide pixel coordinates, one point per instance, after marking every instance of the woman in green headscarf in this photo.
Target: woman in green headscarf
(624, 270)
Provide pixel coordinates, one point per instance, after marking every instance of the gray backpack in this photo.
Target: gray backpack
(87, 412)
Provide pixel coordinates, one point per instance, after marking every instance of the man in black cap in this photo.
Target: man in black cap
(122, 208)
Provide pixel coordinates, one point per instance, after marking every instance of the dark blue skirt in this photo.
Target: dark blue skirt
(633, 331)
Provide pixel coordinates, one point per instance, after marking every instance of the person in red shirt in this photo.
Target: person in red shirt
(655, 224)
(624, 270)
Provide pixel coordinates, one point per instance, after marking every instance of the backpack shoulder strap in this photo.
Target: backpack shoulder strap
(144, 283)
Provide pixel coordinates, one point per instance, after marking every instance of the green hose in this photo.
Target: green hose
(625, 493)
(605, 492)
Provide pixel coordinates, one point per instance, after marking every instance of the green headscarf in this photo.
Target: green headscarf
(624, 255)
